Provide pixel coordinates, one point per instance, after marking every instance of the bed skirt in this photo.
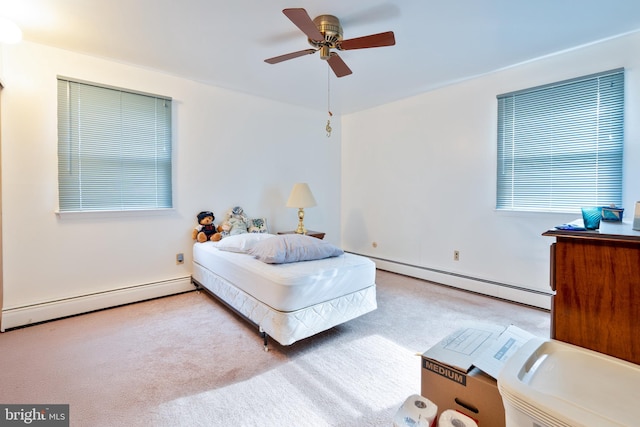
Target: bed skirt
(288, 327)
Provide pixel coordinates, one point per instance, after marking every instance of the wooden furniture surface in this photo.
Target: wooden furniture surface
(596, 276)
(316, 234)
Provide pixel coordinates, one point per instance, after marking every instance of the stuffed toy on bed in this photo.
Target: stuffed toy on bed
(206, 230)
(238, 221)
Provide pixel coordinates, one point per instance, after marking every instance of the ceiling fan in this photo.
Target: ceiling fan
(325, 33)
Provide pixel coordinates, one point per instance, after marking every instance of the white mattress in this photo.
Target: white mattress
(288, 327)
(288, 287)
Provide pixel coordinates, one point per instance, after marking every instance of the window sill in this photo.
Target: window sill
(113, 214)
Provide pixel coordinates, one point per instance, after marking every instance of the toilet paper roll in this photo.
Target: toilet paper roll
(636, 217)
(416, 411)
(451, 418)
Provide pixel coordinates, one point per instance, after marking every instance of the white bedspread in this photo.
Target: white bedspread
(288, 287)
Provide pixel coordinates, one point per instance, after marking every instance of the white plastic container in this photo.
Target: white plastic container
(549, 383)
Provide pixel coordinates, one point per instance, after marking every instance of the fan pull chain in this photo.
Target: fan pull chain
(328, 127)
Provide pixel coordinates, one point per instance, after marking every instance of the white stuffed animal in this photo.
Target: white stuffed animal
(238, 221)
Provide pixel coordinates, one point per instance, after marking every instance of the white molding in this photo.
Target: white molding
(26, 315)
(493, 289)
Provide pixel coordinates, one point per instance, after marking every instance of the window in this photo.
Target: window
(114, 148)
(560, 145)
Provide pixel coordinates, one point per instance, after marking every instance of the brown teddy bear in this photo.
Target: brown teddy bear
(205, 230)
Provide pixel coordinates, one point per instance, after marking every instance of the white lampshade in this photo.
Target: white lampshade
(301, 196)
(10, 33)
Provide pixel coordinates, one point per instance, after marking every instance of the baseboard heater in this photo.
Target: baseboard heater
(532, 297)
(13, 317)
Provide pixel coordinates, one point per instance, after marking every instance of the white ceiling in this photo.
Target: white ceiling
(224, 43)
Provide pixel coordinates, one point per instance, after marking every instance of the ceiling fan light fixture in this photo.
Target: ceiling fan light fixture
(329, 26)
(325, 52)
(325, 33)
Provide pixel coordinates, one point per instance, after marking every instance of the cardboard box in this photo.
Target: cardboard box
(460, 371)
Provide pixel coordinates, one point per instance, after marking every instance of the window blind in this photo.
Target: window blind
(114, 148)
(560, 146)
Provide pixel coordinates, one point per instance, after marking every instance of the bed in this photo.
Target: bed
(289, 286)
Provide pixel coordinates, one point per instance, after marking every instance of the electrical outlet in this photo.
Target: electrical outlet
(180, 258)
(456, 255)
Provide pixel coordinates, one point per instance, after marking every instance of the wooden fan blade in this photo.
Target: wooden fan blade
(338, 66)
(288, 56)
(302, 20)
(374, 40)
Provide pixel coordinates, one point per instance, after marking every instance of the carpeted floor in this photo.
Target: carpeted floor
(185, 360)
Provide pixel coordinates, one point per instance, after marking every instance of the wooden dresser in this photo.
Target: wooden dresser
(596, 277)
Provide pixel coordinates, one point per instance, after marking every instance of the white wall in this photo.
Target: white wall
(419, 179)
(229, 149)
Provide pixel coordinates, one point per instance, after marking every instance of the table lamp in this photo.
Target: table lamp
(301, 197)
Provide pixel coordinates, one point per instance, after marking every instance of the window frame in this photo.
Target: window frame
(518, 155)
(152, 132)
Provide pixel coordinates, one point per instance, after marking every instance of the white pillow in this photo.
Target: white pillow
(288, 248)
(242, 242)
